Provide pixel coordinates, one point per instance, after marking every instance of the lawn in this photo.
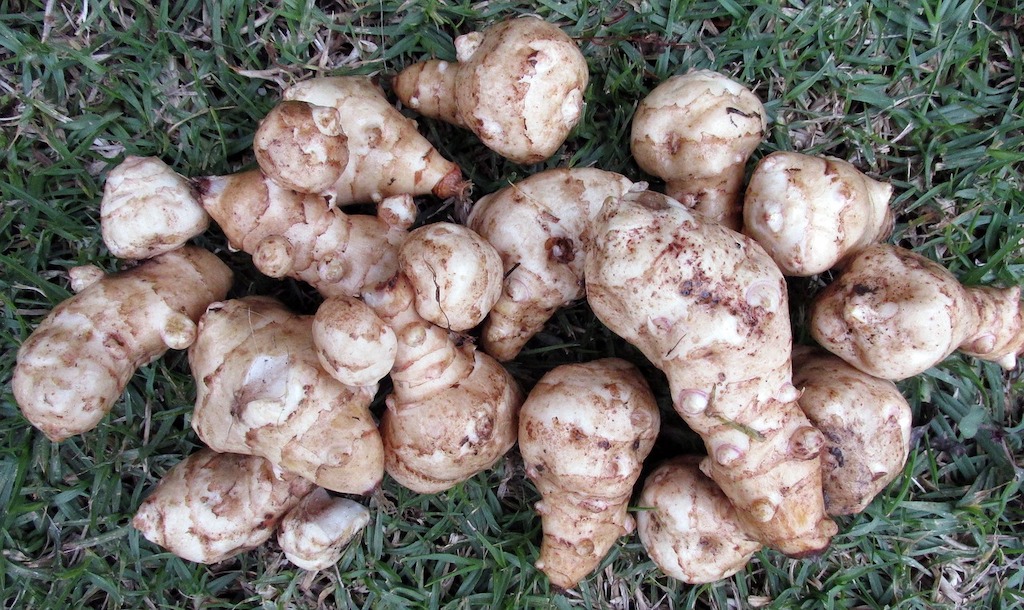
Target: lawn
(925, 95)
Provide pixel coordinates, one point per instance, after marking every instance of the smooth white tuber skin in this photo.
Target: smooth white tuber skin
(894, 314)
(809, 213)
(696, 131)
(260, 390)
(302, 147)
(453, 410)
(148, 209)
(518, 85)
(584, 432)
(76, 364)
(688, 526)
(541, 227)
(709, 307)
(314, 534)
(866, 424)
(290, 234)
(212, 506)
(355, 346)
(456, 274)
(386, 154)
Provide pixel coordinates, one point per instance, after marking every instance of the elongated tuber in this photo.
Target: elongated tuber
(212, 506)
(314, 534)
(584, 432)
(453, 410)
(894, 314)
(809, 213)
(688, 526)
(148, 209)
(866, 424)
(260, 390)
(455, 273)
(696, 131)
(518, 85)
(290, 234)
(541, 227)
(709, 307)
(384, 153)
(79, 360)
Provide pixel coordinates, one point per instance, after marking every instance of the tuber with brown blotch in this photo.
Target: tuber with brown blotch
(709, 307)
(893, 313)
(314, 534)
(584, 432)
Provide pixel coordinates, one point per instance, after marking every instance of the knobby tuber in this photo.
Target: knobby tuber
(809, 213)
(454, 272)
(148, 209)
(893, 314)
(518, 85)
(541, 227)
(709, 307)
(314, 534)
(866, 424)
(384, 153)
(79, 360)
(290, 234)
(695, 131)
(211, 506)
(453, 410)
(688, 527)
(260, 390)
(352, 344)
(584, 432)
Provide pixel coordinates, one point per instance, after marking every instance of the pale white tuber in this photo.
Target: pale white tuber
(355, 346)
(314, 534)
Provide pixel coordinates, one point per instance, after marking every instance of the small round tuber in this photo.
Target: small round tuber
(314, 534)
(355, 346)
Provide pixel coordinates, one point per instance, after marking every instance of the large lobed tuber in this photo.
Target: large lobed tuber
(584, 432)
(709, 307)
(79, 360)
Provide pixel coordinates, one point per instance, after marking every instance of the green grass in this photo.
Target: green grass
(926, 95)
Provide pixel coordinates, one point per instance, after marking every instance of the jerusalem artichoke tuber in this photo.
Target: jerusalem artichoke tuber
(453, 410)
(695, 131)
(212, 506)
(709, 307)
(866, 424)
(584, 432)
(809, 213)
(541, 227)
(518, 85)
(79, 360)
(260, 390)
(314, 534)
(893, 314)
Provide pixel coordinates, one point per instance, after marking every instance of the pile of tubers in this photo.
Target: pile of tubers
(694, 278)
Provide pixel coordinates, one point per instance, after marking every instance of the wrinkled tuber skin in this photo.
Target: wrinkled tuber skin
(866, 424)
(290, 234)
(353, 345)
(314, 534)
(453, 410)
(518, 85)
(688, 527)
(696, 131)
(541, 227)
(894, 314)
(456, 274)
(584, 432)
(709, 307)
(302, 147)
(76, 364)
(212, 506)
(260, 390)
(386, 154)
(809, 213)
(148, 209)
